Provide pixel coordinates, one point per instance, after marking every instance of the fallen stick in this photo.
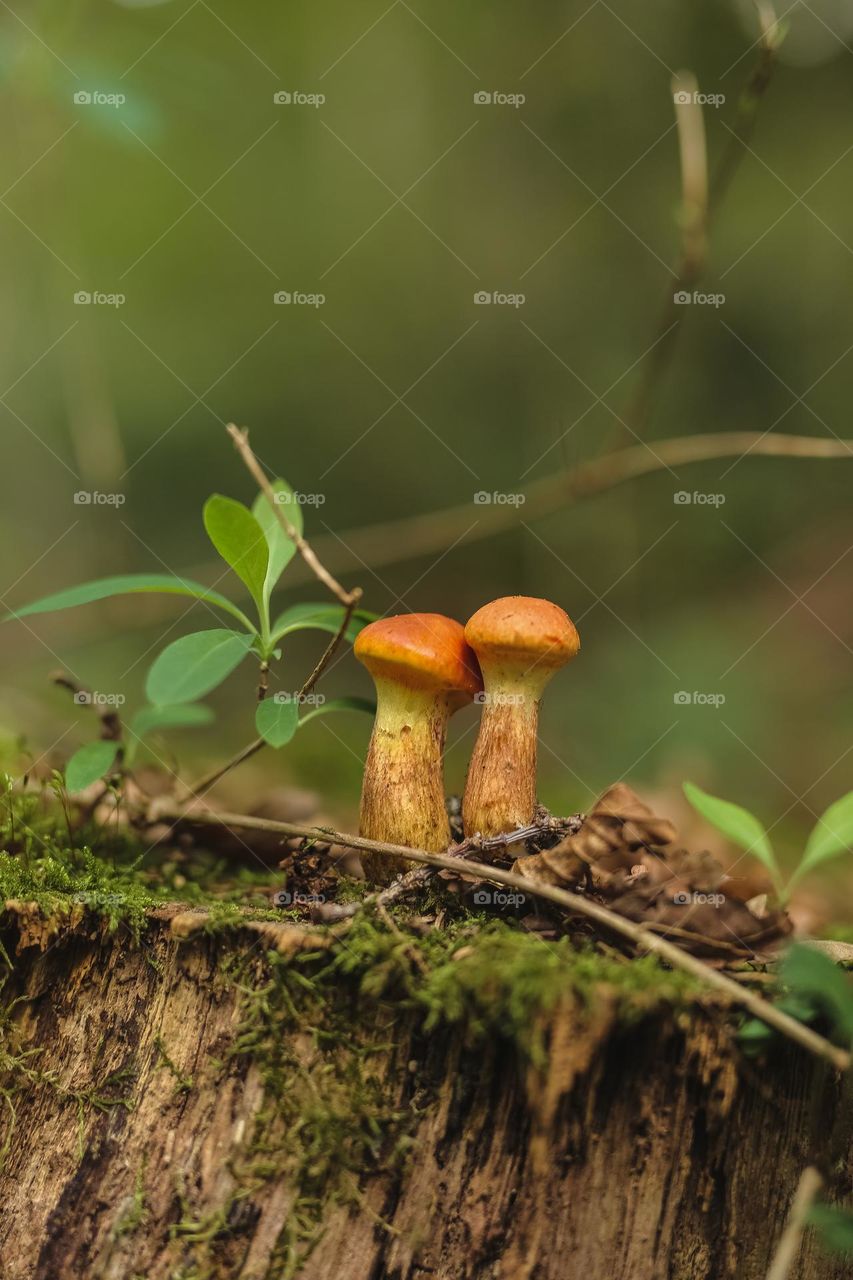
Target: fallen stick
(642, 938)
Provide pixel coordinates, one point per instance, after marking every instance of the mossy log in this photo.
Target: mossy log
(179, 1122)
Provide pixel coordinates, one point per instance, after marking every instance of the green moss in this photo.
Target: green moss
(115, 876)
(136, 1214)
(183, 1082)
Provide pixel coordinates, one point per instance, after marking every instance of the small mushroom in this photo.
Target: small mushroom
(423, 671)
(520, 643)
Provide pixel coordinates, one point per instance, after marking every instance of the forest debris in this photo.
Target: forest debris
(618, 825)
(629, 856)
(312, 868)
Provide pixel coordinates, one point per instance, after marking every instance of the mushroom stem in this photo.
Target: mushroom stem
(402, 798)
(520, 642)
(500, 792)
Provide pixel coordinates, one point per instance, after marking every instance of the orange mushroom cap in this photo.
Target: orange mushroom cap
(421, 651)
(523, 629)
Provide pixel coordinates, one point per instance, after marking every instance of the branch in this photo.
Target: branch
(413, 536)
(700, 201)
(241, 440)
(572, 902)
(331, 648)
(111, 726)
(789, 1245)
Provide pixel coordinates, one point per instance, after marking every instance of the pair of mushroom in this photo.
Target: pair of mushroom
(426, 666)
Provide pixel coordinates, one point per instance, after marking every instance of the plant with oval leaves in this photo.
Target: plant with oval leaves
(255, 545)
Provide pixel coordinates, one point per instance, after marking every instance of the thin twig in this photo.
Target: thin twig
(753, 91)
(642, 938)
(332, 646)
(406, 539)
(789, 1245)
(700, 202)
(241, 440)
(111, 726)
(198, 789)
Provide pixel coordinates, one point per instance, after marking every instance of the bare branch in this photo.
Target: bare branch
(111, 726)
(413, 536)
(700, 202)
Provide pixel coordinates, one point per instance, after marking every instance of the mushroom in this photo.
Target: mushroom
(520, 642)
(423, 671)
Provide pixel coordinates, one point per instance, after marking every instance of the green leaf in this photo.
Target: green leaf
(320, 617)
(180, 716)
(282, 548)
(89, 764)
(192, 666)
(810, 973)
(129, 584)
(240, 541)
(834, 1227)
(755, 1036)
(738, 825)
(340, 704)
(277, 719)
(832, 834)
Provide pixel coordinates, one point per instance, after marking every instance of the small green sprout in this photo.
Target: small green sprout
(831, 835)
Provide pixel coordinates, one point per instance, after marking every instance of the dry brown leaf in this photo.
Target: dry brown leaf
(628, 856)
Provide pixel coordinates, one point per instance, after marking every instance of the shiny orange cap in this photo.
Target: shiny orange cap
(524, 629)
(421, 651)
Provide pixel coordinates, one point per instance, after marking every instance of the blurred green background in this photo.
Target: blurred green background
(398, 198)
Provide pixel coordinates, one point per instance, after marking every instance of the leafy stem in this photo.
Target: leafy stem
(831, 835)
(258, 544)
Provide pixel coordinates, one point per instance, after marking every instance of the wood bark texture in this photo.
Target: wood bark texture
(643, 1152)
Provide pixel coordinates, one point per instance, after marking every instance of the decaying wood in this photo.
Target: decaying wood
(639, 1153)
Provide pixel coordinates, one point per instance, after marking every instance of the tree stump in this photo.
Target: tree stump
(146, 1139)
